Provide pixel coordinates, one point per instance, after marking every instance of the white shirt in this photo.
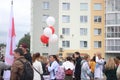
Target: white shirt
(99, 68)
(38, 66)
(68, 65)
(52, 69)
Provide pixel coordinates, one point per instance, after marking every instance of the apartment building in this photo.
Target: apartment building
(112, 28)
(79, 25)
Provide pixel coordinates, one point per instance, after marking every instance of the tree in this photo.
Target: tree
(26, 40)
(2, 45)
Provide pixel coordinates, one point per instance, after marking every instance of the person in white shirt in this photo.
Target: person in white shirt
(53, 66)
(37, 67)
(98, 75)
(68, 65)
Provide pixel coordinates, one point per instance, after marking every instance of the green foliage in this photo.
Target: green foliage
(26, 40)
(2, 45)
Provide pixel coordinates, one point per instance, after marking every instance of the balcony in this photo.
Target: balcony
(112, 22)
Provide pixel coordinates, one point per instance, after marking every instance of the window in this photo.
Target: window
(65, 19)
(46, 5)
(83, 19)
(113, 32)
(45, 45)
(65, 6)
(97, 44)
(97, 18)
(97, 6)
(83, 44)
(66, 31)
(97, 31)
(65, 43)
(83, 31)
(45, 54)
(45, 17)
(83, 6)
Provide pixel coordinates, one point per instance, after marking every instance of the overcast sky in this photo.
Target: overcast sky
(21, 10)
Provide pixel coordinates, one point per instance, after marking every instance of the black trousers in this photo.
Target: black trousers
(77, 78)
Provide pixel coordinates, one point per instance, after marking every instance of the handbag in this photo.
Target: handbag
(39, 73)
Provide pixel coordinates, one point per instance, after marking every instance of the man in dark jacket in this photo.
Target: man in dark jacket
(78, 66)
(27, 55)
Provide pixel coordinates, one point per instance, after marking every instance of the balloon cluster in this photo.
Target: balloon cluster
(48, 34)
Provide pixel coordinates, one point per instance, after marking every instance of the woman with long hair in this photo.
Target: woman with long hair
(53, 66)
(85, 68)
(110, 69)
(117, 61)
(92, 65)
(37, 66)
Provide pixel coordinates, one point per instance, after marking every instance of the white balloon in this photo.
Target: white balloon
(50, 21)
(53, 38)
(47, 32)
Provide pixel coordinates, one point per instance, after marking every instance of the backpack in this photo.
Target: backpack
(60, 74)
(69, 72)
(27, 72)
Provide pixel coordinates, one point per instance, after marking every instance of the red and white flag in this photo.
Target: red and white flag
(10, 46)
(11, 40)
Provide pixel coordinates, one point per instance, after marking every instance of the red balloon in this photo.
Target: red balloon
(44, 39)
(52, 28)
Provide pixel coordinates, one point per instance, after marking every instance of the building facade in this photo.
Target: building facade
(112, 28)
(79, 25)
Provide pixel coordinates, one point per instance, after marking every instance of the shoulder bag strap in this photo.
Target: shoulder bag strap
(39, 73)
(36, 70)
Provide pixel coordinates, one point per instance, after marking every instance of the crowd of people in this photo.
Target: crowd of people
(37, 67)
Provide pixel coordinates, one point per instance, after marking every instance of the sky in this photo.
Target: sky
(21, 10)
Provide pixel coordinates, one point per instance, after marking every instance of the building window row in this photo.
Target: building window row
(83, 19)
(66, 6)
(66, 18)
(83, 31)
(83, 44)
